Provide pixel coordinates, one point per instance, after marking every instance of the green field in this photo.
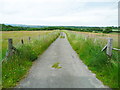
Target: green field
(115, 30)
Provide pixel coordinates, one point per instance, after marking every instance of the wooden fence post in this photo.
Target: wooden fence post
(29, 39)
(22, 41)
(109, 47)
(10, 46)
(95, 40)
(86, 37)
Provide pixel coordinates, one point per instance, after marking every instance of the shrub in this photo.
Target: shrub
(107, 30)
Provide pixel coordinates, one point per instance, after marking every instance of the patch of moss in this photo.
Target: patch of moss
(56, 65)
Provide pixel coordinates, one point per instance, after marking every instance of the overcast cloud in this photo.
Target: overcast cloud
(60, 12)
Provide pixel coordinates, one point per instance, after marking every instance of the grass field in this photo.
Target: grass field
(15, 68)
(89, 50)
(102, 37)
(17, 36)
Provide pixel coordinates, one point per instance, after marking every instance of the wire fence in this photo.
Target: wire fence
(12, 47)
(107, 42)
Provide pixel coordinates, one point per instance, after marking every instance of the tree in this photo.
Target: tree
(107, 30)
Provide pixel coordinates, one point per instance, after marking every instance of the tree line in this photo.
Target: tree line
(12, 28)
(72, 28)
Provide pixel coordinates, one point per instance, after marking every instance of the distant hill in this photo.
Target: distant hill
(40, 26)
(22, 25)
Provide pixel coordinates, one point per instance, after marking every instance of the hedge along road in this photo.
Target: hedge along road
(72, 74)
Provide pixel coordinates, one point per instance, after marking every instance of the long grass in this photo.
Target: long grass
(17, 36)
(16, 67)
(89, 51)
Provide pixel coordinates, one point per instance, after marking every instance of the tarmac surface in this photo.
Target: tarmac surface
(73, 74)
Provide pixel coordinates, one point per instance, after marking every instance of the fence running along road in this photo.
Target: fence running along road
(109, 47)
(72, 74)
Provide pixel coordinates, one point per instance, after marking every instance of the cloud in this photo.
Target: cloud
(59, 12)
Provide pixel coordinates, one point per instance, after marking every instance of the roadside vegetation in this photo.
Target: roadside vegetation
(81, 38)
(17, 36)
(89, 51)
(16, 67)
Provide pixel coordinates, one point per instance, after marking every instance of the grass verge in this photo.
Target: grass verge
(105, 68)
(15, 67)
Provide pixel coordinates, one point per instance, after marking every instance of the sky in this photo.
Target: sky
(60, 12)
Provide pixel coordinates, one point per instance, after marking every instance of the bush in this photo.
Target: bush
(27, 52)
(95, 31)
(107, 30)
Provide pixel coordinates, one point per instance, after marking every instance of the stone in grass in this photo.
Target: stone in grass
(56, 65)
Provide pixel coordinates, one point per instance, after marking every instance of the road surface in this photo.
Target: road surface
(73, 74)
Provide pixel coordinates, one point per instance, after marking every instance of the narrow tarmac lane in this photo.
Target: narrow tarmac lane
(73, 74)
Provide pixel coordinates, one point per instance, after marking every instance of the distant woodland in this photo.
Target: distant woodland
(72, 28)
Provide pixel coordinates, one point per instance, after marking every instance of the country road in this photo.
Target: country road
(73, 74)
